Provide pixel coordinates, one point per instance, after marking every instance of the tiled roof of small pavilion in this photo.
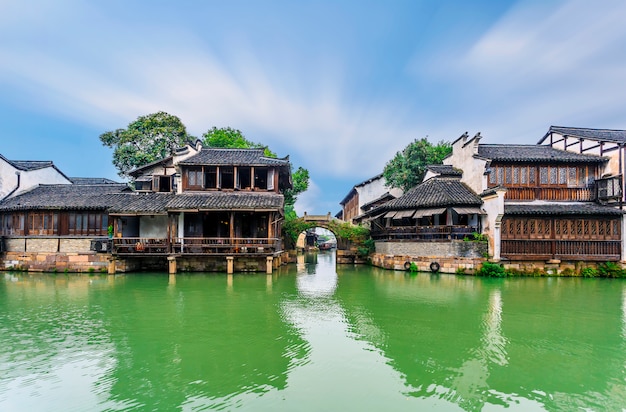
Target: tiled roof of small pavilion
(234, 157)
(607, 135)
(577, 208)
(437, 191)
(92, 181)
(445, 170)
(226, 201)
(141, 203)
(65, 197)
(533, 153)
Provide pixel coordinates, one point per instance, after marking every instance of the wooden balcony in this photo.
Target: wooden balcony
(573, 194)
(225, 246)
(424, 233)
(136, 246)
(140, 246)
(595, 250)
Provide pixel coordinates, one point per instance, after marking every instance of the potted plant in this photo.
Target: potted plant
(110, 231)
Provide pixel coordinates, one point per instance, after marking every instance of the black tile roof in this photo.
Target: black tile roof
(607, 135)
(437, 191)
(92, 181)
(141, 203)
(533, 153)
(226, 200)
(578, 208)
(235, 157)
(65, 197)
(370, 180)
(385, 197)
(445, 170)
(31, 164)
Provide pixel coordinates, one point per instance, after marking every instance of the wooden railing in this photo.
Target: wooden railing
(220, 245)
(194, 246)
(140, 245)
(598, 250)
(424, 233)
(579, 194)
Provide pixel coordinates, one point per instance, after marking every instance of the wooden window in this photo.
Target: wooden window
(210, 177)
(192, 178)
(87, 223)
(41, 223)
(244, 179)
(227, 177)
(260, 178)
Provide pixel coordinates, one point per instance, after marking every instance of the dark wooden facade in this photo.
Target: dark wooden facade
(595, 238)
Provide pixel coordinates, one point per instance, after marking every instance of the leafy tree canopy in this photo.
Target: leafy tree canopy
(230, 138)
(147, 139)
(408, 167)
(234, 139)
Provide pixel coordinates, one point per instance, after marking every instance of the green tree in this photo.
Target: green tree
(149, 138)
(408, 167)
(228, 137)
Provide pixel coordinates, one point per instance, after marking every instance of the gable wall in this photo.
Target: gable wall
(462, 157)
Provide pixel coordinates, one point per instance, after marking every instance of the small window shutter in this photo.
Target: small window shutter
(270, 179)
(155, 183)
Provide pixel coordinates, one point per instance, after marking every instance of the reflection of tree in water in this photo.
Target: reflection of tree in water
(472, 343)
(199, 339)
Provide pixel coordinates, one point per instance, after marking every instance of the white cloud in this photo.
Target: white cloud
(542, 63)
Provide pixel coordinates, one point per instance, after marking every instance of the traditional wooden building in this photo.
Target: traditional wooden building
(202, 209)
(363, 197)
(541, 203)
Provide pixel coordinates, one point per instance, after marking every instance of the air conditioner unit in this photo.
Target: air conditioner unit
(100, 245)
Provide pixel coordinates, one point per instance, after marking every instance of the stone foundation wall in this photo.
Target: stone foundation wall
(451, 248)
(55, 262)
(446, 264)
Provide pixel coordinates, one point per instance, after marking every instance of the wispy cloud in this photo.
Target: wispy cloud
(541, 64)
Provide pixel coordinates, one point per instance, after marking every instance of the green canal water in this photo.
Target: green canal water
(311, 337)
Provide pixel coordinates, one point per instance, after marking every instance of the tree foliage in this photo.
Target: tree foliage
(234, 139)
(147, 139)
(229, 138)
(408, 167)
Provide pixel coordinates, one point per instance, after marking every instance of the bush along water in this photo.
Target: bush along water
(603, 270)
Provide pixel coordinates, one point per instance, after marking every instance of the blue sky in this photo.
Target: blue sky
(340, 86)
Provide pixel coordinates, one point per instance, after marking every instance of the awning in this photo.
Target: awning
(404, 213)
(390, 214)
(428, 212)
(461, 210)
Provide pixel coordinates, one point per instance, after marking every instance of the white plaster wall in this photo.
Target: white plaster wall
(8, 179)
(612, 167)
(28, 179)
(153, 226)
(462, 157)
(375, 189)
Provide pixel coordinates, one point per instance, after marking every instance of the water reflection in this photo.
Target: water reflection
(311, 336)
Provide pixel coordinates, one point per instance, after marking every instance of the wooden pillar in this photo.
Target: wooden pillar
(230, 264)
(171, 261)
(268, 267)
(111, 266)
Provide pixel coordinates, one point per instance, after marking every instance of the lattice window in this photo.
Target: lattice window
(553, 175)
(562, 175)
(601, 228)
(586, 228)
(543, 175)
(500, 177)
(531, 175)
(579, 228)
(508, 175)
(571, 180)
(533, 227)
(492, 177)
(515, 175)
(557, 227)
(523, 175)
(518, 227)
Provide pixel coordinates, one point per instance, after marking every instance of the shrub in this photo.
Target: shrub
(589, 273)
(413, 268)
(492, 270)
(611, 270)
